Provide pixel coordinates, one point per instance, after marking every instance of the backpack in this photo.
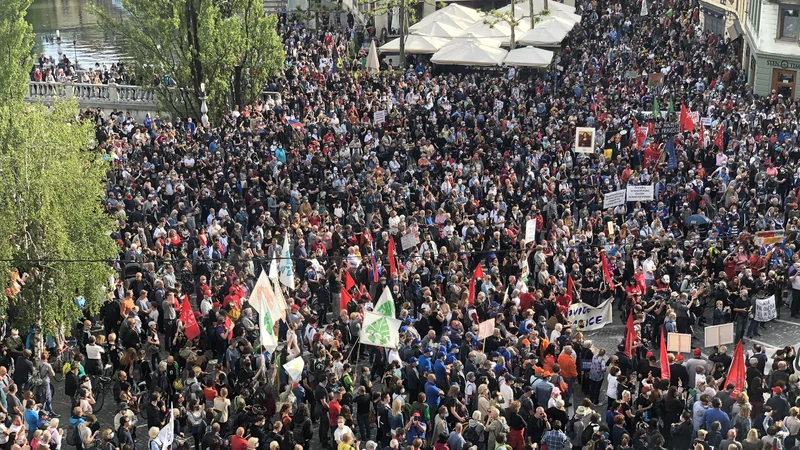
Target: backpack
(570, 431)
(586, 436)
(72, 435)
(471, 435)
(776, 445)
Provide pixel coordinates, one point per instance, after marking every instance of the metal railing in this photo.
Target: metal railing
(86, 93)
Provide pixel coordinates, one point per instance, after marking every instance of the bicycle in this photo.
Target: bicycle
(66, 356)
(103, 387)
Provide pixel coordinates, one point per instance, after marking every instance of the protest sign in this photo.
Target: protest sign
(593, 318)
(614, 199)
(719, 335)
(640, 193)
(379, 117)
(765, 309)
(408, 241)
(530, 230)
(584, 140)
(679, 343)
(485, 329)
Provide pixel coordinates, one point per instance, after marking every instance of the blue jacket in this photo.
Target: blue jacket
(424, 365)
(714, 414)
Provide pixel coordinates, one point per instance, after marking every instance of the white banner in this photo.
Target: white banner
(765, 309)
(380, 331)
(409, 240)
(614, 199)
(593, 318)
(379, 117)
(530, 230)
(641, 193)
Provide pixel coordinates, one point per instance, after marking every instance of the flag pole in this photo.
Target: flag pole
(353, 348)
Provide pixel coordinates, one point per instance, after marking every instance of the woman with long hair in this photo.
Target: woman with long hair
(516, 435)
(303, 431)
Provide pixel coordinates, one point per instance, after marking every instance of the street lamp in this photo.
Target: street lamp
(203, 106)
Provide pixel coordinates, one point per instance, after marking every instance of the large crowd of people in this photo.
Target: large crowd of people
(462, 162)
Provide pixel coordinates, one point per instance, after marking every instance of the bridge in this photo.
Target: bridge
(136, 100)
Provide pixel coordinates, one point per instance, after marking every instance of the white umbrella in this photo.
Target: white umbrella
(372, 58)
(548, 33)
(461, 12)
(499, 30)
(416, 45)
(442, 19)
(559, 10)
(529, 57)
(469, 52)
(438, 29)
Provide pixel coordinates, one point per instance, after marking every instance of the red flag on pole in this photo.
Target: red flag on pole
(665, 375)
(686, 122)
(345, 299)
(635, 134)
(702, 132)
(187, 317)
(719, 141)
(630, 335)
(392, 263)
(349, 282)
(478, 274)
(736, 376)
(606, 271)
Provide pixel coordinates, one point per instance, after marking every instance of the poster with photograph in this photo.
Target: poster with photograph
(584, 140)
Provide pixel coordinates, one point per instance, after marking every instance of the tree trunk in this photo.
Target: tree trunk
(38, 335)
(238, 97)
(513, 21)
(532, 14)
(194, 46)
(402, 34)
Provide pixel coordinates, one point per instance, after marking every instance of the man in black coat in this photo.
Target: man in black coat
(678, 372)
(412, 379)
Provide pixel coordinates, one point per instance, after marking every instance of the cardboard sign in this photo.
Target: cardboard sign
(769, 237)
(584, 140)
(765, 309)
(614, 199)
(530, 230)
(379, 117)
(593, 318)
(719, 335)
(679, 343)
(644, 193)
(655, 79)
(667, 128)
(706, 121)
(485, 329)
(409, 241)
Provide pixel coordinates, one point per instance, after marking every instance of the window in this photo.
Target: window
(754, 14)
(789, 23)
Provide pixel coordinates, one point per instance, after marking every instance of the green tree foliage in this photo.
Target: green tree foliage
(230, 45)
(16, 40)
(51, 187)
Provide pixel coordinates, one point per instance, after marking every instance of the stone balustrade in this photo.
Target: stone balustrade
(94, 95)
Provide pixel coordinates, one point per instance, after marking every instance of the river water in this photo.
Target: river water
(82, 38)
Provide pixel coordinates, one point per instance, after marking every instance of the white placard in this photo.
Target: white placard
(706, 121)
(530, 230)
(679, 343)
(717, 335)
(408, 241)
(379, 117)
(593, 318)
(485, 329)
(640, 193)
(765, 309)
(614, 199)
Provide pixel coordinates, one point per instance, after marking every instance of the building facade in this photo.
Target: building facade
(771, 56)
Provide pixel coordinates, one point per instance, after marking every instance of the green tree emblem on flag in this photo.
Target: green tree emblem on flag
(385, 309)
(267, 318)
(378, 332)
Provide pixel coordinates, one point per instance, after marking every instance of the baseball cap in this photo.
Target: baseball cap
(428, 350)
(777, 390)
(697, 352)
(123, 405)
(412, 360)
(449, 360)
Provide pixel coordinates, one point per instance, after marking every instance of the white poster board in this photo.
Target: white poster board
(719, 335)
(530, 230)
(765, 309)
(485, 329)
(408, 241)
(584, 140)
(643, 193)
(379, 117)
(614, 199)
(593, 318)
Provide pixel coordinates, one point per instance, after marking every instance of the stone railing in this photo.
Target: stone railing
(94, 95)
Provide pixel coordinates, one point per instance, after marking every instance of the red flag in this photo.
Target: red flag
(636, 134)
(665, 375)
(392, 263)
(349, 282)
(686, 122)
(345, 299)
(702, 135)
(606, 271)
(719, 141)
(736, 375)
(630, 335)
(187, 317)
(478, 274)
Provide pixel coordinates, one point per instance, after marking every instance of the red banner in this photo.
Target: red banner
(665, 375)
(187, 317)
(478, 274)
(736, 376)
(630, 335)
(345, 299)
(606, 271)
(392, 263)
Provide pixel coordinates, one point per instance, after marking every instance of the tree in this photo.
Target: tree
(229, 46)
(51, 186)
(16, 40)
(406, 13)
(513, 20)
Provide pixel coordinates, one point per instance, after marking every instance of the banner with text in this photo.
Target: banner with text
(593, 318)
(640, 193)
(765, 309)
(614, 199)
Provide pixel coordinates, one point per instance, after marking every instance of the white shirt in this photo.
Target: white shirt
(93, 351)
(341, 431)
(508, 394)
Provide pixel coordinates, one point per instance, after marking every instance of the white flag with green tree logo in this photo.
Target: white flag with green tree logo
(266, 318)
(385, 305)
(294, 368)
(380, 331)
(280, 302)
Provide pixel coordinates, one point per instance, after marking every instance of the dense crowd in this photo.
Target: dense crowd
(462, 162)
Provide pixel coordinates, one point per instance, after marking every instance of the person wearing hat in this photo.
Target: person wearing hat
(778, 403)
(697, 360)
(425, 365)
